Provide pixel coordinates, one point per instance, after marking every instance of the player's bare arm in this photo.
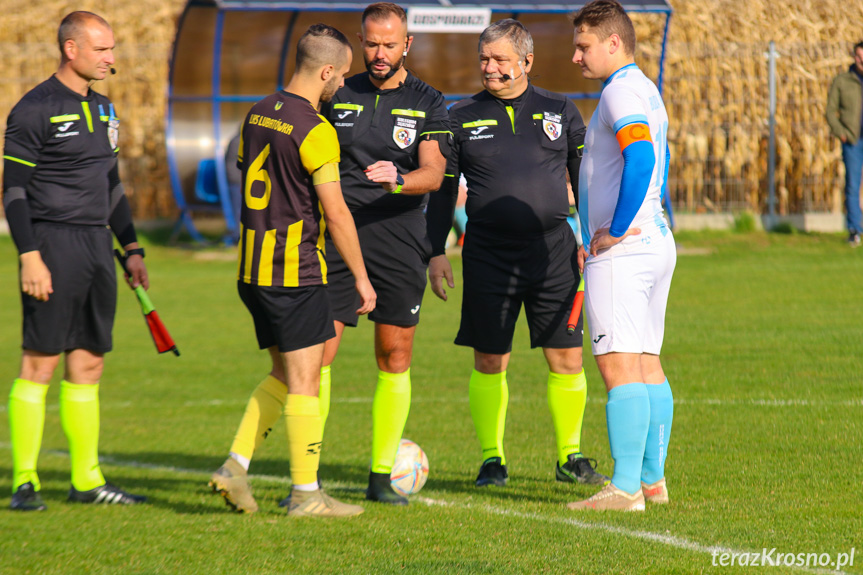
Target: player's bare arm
(427, 178)
(341, 226)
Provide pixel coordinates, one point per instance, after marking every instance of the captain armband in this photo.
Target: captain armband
(632, 133)
(326, 174)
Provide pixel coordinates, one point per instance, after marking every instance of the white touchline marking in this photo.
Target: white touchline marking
(670, 540)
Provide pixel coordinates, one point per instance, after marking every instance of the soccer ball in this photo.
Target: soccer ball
(411, 468)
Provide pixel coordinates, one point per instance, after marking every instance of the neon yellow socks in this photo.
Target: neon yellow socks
(26, 422)
(489, 396)
(324, 395)
(303, 418)
(262, 412)
(567, 395)
(390, 409)
(79, 417)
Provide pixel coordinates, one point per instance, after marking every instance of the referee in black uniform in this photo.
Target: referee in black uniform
(394, 135)
(61, 193)
(514, 143)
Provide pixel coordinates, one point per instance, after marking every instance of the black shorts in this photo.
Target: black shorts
(501, 273)
(290, 318)
(80, 312)
(396, 252)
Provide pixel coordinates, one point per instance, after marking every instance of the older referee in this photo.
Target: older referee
(61, 192)
(514, 143)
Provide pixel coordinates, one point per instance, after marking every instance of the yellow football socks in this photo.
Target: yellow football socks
(303, 418)
(262, 412)
(567, 395)
(390, 409)
(79, 416)
(26, 421)
(324, 396)
(489, 396)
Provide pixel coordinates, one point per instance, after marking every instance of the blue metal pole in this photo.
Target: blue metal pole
(661, 77)
(219, 155)
(283, 58)
(185, 218)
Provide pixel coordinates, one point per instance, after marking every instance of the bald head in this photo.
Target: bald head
(75, 25)
(322, 45)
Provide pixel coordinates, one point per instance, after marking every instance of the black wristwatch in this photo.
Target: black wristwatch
(135, 252)
(400, 181)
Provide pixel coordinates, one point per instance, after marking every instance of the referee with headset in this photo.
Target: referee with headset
(61, 194)
(515, 143)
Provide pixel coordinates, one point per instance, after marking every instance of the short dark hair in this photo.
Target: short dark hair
(321, 45)
(857, 46)
(383, 10)
(514, 31)
(73, 24)
(604, 18)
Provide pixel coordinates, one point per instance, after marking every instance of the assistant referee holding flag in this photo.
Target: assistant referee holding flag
(61, 192)
(515, 143)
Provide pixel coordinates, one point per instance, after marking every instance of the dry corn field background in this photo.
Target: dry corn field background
(716, 91)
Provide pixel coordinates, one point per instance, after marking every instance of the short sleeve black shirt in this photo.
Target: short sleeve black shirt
(375, 125)
(71, 142)
(514, 155)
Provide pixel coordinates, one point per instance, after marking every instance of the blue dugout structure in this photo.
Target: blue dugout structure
(228, 54)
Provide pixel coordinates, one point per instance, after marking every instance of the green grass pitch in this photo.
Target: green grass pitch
(764, 351)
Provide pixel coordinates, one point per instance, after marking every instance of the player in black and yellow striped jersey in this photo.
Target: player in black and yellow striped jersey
(291, 193)
(286, 149)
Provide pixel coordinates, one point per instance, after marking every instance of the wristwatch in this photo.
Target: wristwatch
(400, 181)
(135, 252)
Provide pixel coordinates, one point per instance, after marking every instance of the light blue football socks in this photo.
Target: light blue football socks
(658, 433)
(628, 415)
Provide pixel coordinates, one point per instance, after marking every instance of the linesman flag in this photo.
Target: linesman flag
(160, 334)
(576, 308)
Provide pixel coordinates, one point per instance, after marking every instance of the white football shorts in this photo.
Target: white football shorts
(626, 292)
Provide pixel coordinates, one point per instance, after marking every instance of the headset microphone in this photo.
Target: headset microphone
(113, 70)
(507, 77)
